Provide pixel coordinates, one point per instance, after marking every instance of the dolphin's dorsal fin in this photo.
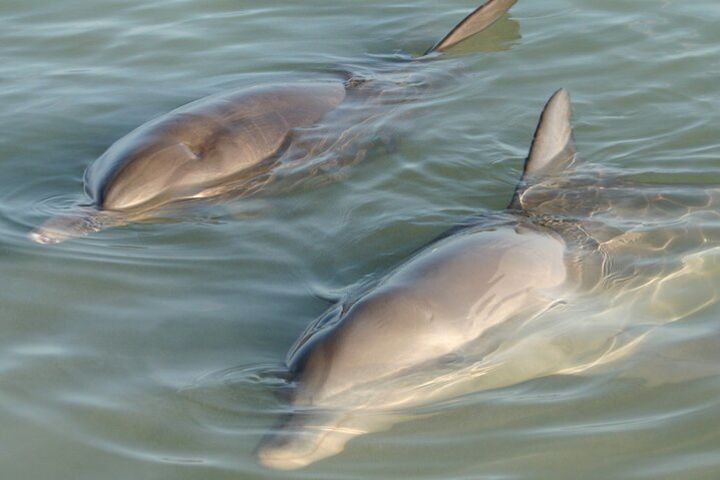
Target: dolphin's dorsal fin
(479, 20)
(553, 147)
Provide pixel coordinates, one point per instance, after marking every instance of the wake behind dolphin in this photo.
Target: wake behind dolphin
(482, 307)
(233, 143)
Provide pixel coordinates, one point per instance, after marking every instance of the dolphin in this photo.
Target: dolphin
(356, 362)
(542, 288)
(232, 142)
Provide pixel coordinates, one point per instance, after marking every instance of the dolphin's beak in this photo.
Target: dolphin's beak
(45, 236)
(304, 439)
(77, 224)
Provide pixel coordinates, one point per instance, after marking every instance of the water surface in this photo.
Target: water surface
(147, 352)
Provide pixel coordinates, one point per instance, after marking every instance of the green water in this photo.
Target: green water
(143, 352)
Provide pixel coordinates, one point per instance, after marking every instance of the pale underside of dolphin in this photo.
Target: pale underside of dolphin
(222, 144)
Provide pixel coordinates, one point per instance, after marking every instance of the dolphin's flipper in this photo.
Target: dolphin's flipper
(482, 18)
(553, 147)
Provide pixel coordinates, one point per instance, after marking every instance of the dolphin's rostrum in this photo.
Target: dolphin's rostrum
(228, 143)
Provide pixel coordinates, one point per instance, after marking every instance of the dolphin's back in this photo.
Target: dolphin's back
(201, 144)
(445, 297)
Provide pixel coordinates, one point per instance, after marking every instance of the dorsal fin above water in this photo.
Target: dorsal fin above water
(553, 147)
(479, 20)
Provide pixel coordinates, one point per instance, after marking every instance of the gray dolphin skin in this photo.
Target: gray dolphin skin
(366, 358)
(221, 144)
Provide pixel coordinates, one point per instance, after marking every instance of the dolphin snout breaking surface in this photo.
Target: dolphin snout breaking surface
(81, 222)
(303, 441)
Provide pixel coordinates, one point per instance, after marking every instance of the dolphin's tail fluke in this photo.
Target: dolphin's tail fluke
(77, 224)
(479, 20)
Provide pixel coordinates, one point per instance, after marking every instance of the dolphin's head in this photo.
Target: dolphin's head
(312, 435)
(303, 439)
(64, 227)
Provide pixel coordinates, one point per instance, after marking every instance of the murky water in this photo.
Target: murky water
(152, 351)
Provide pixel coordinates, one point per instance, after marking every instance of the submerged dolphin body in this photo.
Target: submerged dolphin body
(225, 143)
(551, 286)
(367, 357)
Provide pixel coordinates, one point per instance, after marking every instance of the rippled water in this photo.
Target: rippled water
(154, 351)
